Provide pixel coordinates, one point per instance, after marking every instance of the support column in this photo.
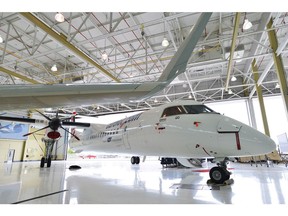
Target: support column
(274, 155)
(233, 46)
(251, 113)
(260, 97)
(279, 66)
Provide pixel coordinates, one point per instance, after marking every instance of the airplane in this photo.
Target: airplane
(180, 129)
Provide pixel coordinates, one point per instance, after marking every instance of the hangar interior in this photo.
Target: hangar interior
(128, 47)
(105, 47)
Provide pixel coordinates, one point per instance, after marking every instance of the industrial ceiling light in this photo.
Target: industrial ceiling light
(247, 24)
(230, 92)
(277, 86)
(54, 68)
(59, 17)
(104, 56)
(1, 39)
(233, 79)
(238, 57)
(165, 42)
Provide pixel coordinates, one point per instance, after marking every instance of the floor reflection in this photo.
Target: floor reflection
(119, 182)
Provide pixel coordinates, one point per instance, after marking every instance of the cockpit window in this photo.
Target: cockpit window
(196, 109)
(175, 110)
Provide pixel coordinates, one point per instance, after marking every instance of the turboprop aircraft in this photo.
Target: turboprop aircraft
(52, 134)
(15, 97)
(182, 130)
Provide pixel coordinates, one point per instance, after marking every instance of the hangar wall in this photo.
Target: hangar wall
(32, 149)
(6, 145)
(274, 110)
(24, 150)
(34, 146)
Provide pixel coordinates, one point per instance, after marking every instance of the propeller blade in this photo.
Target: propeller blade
(76, 124)
(70, 133)
(15, 119)
(43, 115)
(36, 131)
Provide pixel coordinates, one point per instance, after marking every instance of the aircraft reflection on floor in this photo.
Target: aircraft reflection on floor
(111, 181)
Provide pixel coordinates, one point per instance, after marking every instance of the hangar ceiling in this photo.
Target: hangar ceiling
(34, 42)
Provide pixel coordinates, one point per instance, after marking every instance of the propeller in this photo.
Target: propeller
(53, 123)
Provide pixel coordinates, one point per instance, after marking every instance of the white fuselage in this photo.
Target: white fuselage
(187, 135)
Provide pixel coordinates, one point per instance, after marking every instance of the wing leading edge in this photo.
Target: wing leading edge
(56, 95)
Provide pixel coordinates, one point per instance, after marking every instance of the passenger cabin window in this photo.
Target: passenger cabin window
(175, 110)
(196, 109)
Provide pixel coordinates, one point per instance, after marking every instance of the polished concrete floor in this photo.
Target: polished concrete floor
(116, 181)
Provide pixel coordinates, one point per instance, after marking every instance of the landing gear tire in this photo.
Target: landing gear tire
(132, 160)
(49, 162)
(42, 162)
(135, 160)
(219, 175)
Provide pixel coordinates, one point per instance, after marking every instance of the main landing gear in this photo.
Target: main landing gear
(219, 174)
(135, 160)
(49, 143)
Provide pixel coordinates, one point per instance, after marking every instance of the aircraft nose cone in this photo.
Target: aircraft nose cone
(256, 143)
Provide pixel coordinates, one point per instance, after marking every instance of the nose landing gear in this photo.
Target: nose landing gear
(219, 174)
(49, 143)
(135, 160)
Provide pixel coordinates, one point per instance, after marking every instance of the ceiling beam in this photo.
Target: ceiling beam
(63, 40)
(232, 49)
(265, 17)
(24, 78)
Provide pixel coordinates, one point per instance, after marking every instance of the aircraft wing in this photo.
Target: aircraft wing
(59, 95)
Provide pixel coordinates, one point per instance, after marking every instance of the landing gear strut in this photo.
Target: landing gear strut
(49, 143)
(135, 160)
(219, 174)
